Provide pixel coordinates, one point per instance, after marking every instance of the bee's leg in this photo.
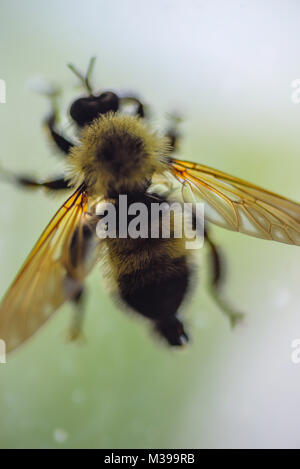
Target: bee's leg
(173, 133)
(215, 281)
(50, 122)
(55, 184)
(78, 301)
(140, 108)
(61, 142)
(83, 252)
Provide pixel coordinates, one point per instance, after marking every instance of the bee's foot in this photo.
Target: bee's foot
(236, 319)
(76, 335)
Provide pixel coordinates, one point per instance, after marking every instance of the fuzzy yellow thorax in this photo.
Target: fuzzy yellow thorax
(118, 153)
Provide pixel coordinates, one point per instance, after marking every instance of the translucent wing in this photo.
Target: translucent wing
(44, 282)
(239, 205)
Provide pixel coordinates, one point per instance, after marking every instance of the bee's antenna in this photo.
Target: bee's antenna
(89, 73)
(85, 79)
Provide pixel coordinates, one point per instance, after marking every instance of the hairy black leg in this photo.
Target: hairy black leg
(215, 281)
(55, 184)
(173, 133)
(50, 123)
(140, 108)
(61, 142)
(78, 301)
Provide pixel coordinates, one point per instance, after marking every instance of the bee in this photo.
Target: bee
(119, 154)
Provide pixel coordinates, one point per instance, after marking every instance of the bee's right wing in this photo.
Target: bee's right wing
(44, 282)
(238, 205)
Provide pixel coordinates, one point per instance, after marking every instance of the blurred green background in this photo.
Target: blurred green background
(227, 67)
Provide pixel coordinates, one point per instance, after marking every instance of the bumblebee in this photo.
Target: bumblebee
(119, 154)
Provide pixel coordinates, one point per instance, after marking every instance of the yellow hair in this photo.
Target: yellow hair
(117, 153)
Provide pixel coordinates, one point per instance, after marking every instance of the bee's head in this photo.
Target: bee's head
(118, 154)
(84, 110)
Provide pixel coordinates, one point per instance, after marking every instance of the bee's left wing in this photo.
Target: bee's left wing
(239, 205)
(44, 282)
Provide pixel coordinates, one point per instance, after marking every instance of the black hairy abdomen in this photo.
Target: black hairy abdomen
(157, 294)
(160, 297)
(157, 275)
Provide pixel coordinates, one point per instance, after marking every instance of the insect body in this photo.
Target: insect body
(119, 155)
